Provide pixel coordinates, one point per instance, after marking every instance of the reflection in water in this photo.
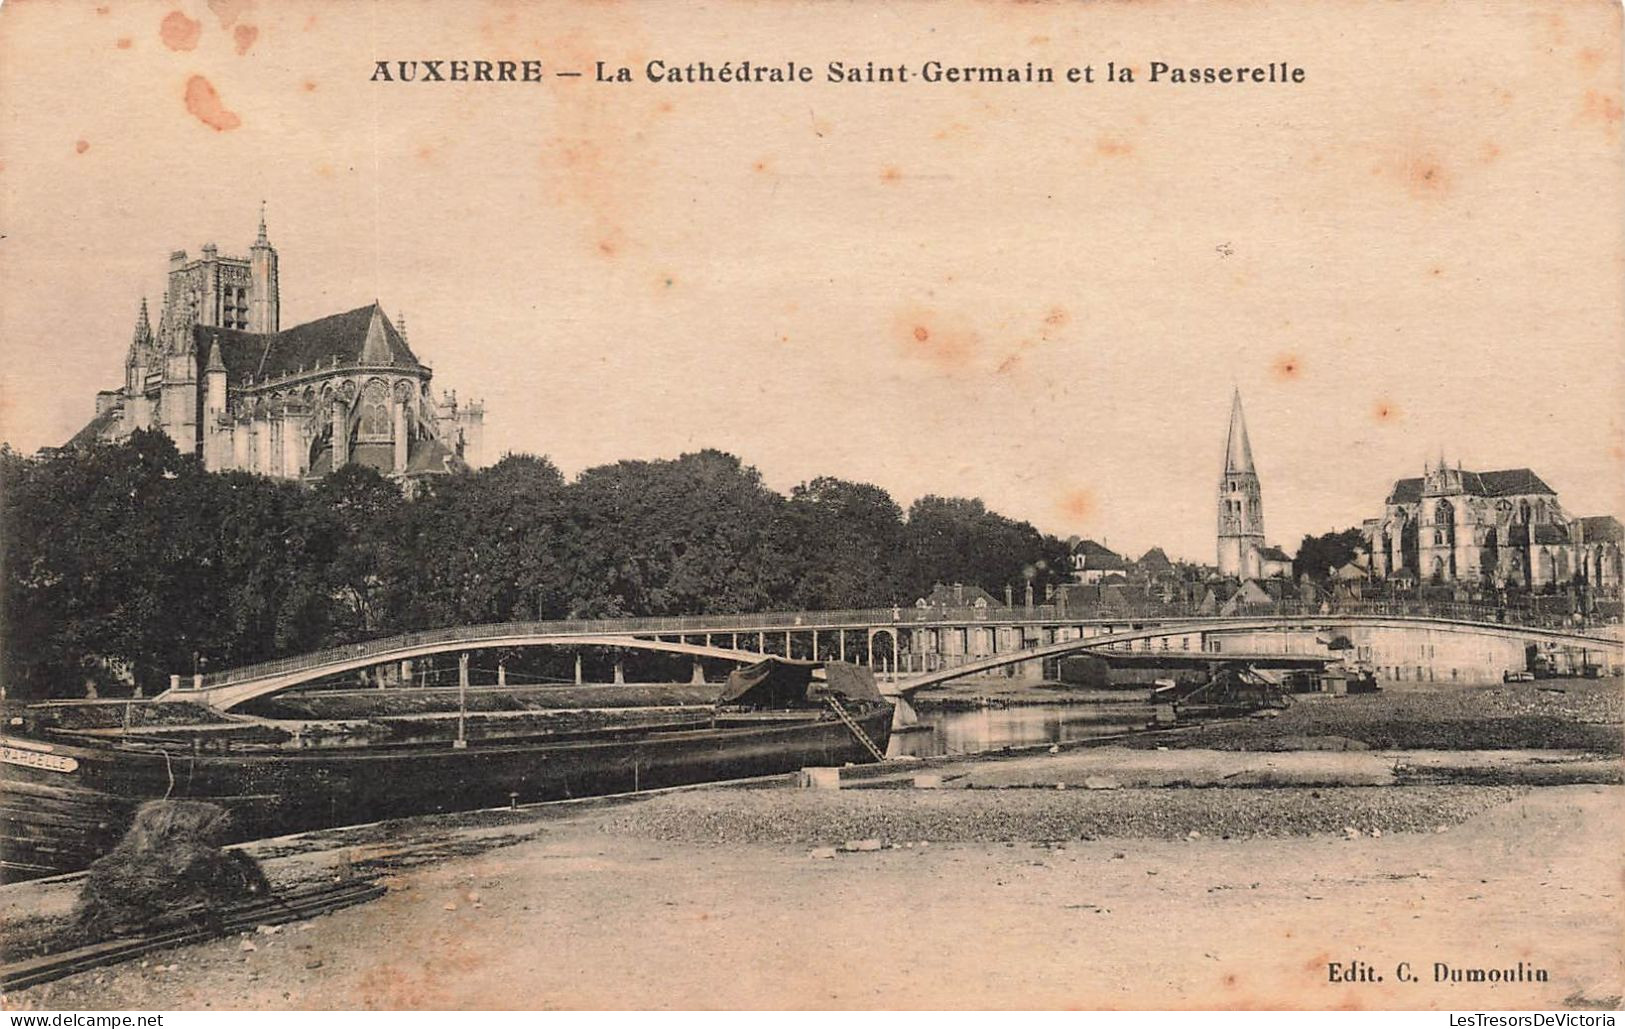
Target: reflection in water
(969, 732)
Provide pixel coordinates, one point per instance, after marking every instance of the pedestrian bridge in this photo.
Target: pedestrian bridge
(1123, 640)
(917, 648)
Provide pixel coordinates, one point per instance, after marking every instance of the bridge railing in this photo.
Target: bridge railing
(902, 617)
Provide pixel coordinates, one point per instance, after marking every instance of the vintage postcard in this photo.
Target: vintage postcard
(812, 504)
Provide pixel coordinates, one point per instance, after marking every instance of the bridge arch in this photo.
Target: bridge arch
(895, 632)
(228, 695)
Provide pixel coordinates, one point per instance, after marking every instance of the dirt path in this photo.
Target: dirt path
(577, 917)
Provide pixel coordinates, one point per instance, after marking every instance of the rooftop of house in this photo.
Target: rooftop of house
(1097, 556)
(958, 595)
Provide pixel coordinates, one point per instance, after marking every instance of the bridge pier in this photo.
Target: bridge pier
(1029, 671)
(578, 668)
(697, 677)
(502, 673)
(903, 713)
(620, 671)
(462, 701)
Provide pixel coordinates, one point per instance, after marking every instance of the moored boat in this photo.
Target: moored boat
(73, 772)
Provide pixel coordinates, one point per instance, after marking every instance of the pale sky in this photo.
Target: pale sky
(1419, 248)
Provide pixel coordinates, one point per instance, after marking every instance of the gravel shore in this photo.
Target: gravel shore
(996, 816)
(1570, 714)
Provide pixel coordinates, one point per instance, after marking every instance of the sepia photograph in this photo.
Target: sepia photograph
(801, 505)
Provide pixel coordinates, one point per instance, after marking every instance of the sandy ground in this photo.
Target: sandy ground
(577, 916)
(1138, 768)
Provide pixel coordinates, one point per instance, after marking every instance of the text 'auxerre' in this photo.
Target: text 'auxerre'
(794, 72)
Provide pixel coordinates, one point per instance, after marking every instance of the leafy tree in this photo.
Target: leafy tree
(375, 546)
(1318, 555)
(95, 580)
(267, 549)
(841, 544)
(950, 539)
(690, 536)
(489, 546)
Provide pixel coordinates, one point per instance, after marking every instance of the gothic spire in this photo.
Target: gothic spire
(143, 327)
(1238, 453)
(262, 241)
(215, 364)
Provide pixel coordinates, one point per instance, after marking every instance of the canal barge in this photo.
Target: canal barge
(73, 773)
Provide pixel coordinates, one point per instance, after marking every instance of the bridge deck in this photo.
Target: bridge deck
(1188, 659)
(227, 689)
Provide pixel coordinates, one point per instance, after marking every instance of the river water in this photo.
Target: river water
(991, 728)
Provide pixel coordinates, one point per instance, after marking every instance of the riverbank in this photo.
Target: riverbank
(614, 911)
(1558, 714)
(1226, 865)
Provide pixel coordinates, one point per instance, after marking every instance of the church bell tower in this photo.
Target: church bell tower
(1241, 504)
(265, 301)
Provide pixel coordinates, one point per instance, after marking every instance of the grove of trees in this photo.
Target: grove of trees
(131, 561)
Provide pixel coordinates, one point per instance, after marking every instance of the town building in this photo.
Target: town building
(1243, 554)
(959, 596)
(1495, 529)
(1093, 562)
(222, 378)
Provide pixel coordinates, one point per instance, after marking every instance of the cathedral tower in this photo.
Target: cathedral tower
(264, 314)
(1241, 505)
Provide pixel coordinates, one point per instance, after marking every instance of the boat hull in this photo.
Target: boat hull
(65, 803)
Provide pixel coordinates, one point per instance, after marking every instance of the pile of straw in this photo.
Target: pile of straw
(168, 870)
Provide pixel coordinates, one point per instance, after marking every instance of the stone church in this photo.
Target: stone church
(1498, 529)
(1243, 554)
(222, 378)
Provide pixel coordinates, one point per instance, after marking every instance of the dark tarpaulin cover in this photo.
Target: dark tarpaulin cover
(778, 682)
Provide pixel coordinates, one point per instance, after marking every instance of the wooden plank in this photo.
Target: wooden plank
(306, 904)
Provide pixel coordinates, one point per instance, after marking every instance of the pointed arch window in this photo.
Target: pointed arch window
(375, 424)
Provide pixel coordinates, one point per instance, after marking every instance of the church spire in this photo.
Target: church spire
(1238, 452)
(1241, 504)
(262, 240)
(143, 327)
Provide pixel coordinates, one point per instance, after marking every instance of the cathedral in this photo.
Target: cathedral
(1243, 553)
(1498, 529)
(222, 378)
